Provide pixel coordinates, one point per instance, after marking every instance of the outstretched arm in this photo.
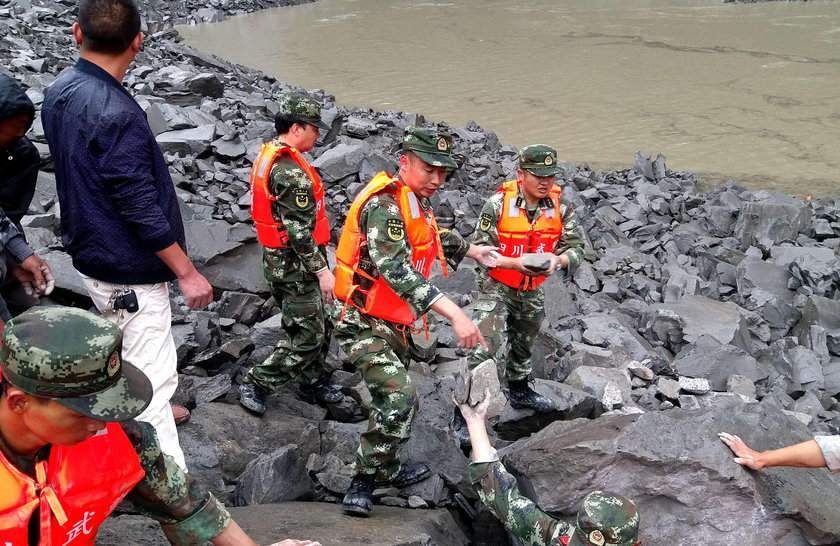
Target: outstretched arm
(806, 454)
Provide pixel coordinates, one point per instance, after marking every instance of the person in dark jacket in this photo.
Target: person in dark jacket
(19, 161)
(120, 219)
(19, 158)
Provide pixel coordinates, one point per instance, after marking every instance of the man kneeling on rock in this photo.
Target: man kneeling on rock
(70, 449)
(387, 249)
(527, 219)
(289, 214)
(604, 519)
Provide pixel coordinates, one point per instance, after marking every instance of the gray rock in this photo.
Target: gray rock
(694, 385)
(241, 306)
(618, 453)
(710, 359)
(390, 526)
(823, 312)
(187, 141)
(536, 262)
(669, 388)
(484, 377)
(612, 332)
(338, 162)
(611, 387)
(739, 384)
(201, 458)
(776, 219)
(701, 315)
(568, 403)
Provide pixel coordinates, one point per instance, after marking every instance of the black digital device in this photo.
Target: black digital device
(128, 301)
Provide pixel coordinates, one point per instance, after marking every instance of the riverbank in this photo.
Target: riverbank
(694, 312)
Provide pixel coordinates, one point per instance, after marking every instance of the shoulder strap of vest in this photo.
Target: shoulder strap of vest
(508, 186)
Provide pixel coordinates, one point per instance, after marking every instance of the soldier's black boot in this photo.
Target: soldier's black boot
(459, 428)
(523, 396)
(252, 397)
(358, 499)
(408, 474)
(322, 392)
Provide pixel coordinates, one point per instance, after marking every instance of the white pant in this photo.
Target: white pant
(148, 345)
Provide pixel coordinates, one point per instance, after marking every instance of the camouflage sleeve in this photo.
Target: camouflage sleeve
(454, 248)
(296, 208)
(382, 224)
(187, 513)
(571, 241)
(487, 229)
(498, 491)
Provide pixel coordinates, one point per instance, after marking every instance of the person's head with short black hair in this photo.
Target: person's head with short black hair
(283, 122)
(108, 26)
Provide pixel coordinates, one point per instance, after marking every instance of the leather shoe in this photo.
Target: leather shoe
(180, 413)
(459, 428)
(523, 396)
(322, 392)
(252, 397)
(358, 499)
(408, 474)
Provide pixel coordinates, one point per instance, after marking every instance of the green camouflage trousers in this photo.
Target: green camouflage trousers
(305, 321)
(498, 310)
(380, 354)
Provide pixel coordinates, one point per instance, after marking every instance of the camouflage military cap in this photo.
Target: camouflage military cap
(73, 357)
(432, 147)
(606, 519)
(539, 159)
(302, 108)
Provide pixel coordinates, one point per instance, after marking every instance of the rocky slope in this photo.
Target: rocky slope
(693, 313)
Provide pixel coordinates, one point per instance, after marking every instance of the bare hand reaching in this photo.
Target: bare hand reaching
(744, 455)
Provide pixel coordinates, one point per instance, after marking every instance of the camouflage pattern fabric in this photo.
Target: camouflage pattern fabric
(303, 108)
(520, 515)
(301, 357)
(432, 147)
(302, 257)
(377, 350)
(189, 515)
(539, 159)
(73, 356)
(290, 272)
(499, 310)
(377, 347)
(604, 519)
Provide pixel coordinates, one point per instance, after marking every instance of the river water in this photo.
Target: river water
(750, 92)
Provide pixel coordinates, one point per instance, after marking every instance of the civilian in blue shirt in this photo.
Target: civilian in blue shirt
(120, 219)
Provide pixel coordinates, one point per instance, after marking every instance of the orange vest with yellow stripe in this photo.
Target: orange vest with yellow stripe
(423, 235)
(518, 236)
(76, 489)
(270, 232)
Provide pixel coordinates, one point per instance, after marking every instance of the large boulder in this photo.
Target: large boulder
(822, 312)
(776, 219)
(700, 315)
(682, 477)
(710, 359)
(608, 331)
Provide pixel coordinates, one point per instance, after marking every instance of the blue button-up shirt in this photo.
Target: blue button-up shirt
(118, 203)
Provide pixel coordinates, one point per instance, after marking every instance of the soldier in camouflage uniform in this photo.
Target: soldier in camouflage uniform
(370, 332)
(605, 519)
(64, 385)
(288, 211)
(519, 310)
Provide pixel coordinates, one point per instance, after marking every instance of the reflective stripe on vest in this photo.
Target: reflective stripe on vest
(76, 489)
(380, 300)
(518, 236)
(270, 232)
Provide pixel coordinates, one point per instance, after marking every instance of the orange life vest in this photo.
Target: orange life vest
(76, 489)
(517, 235)
(270, 232)
(423, 235)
